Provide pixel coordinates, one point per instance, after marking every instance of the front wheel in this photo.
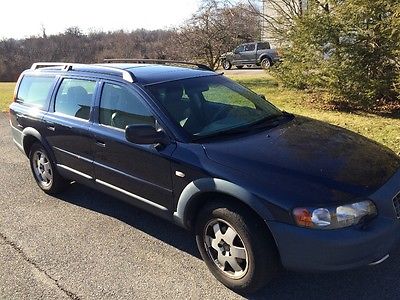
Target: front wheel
(44, 171)
(226, 64)
(236, 247)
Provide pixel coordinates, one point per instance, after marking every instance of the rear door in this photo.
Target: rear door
(68, 126)
(141, 173)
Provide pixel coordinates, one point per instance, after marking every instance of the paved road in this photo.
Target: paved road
(84, 245)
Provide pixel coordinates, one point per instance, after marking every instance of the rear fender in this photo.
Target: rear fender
(30, 132)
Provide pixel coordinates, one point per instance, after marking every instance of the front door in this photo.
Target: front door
(238, 55)
(140, 173)
(249, 54)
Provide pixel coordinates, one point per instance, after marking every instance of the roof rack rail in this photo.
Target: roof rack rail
(125, 74)
(39, 65)
(156, 61)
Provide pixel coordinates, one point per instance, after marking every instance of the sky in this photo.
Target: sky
(25, 18)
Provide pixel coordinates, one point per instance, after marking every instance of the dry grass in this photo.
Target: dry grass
(6, 94)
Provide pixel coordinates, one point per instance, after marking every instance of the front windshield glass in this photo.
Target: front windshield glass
(210, 105)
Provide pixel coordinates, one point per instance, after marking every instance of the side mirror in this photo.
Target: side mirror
(145, 134)
(262, 96)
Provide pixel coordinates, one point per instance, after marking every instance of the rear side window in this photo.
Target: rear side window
(263, 46)
(35, 90)
(120, 107)
(74, 98)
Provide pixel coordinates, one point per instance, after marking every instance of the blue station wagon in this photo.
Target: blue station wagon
(260, 188)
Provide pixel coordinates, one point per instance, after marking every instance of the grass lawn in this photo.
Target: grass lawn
(384, 130)
(6, 94)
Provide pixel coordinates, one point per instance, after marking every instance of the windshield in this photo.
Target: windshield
(209, 105)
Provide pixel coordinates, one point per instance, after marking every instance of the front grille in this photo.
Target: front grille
(396, 203)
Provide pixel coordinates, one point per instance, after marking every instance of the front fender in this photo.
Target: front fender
(203, 185)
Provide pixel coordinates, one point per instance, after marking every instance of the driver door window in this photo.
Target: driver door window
(120, 107)
(239, 49)
(250, 47)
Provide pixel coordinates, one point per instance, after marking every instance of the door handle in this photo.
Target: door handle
(50, 126)
(100, 144)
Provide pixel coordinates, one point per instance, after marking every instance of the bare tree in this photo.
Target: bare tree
(215, 29)
(278, 16)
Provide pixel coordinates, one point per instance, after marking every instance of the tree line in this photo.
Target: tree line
(214, 29)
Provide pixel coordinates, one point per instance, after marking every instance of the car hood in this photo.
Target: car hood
(305, 155)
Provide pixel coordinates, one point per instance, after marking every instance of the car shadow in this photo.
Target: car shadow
(369, 282)
(159, 228)
(375, 282)
(380, 281)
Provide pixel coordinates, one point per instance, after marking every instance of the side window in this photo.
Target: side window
(74, 97)
(263, 46)
(35, 90)
(250, 47)
(119, 107)
(239, 49)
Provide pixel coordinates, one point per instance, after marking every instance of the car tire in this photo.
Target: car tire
(266, 63)
(236, 247)
(44, 171)
(226, 64)
(239, 67)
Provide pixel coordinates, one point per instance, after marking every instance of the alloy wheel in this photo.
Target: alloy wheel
(42, 168)
(265, 64)
(226, 248)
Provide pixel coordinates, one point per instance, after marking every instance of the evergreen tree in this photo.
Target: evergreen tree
(351, 48)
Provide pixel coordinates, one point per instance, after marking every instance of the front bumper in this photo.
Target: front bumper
(329, 250)
(313, 250)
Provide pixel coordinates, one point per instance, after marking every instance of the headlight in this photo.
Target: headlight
(336, 217)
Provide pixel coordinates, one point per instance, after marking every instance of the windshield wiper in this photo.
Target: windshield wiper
(264, 123)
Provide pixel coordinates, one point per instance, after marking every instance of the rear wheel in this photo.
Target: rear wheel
(44, 171)
(226, 64)
(265, 63)
(236, 247)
